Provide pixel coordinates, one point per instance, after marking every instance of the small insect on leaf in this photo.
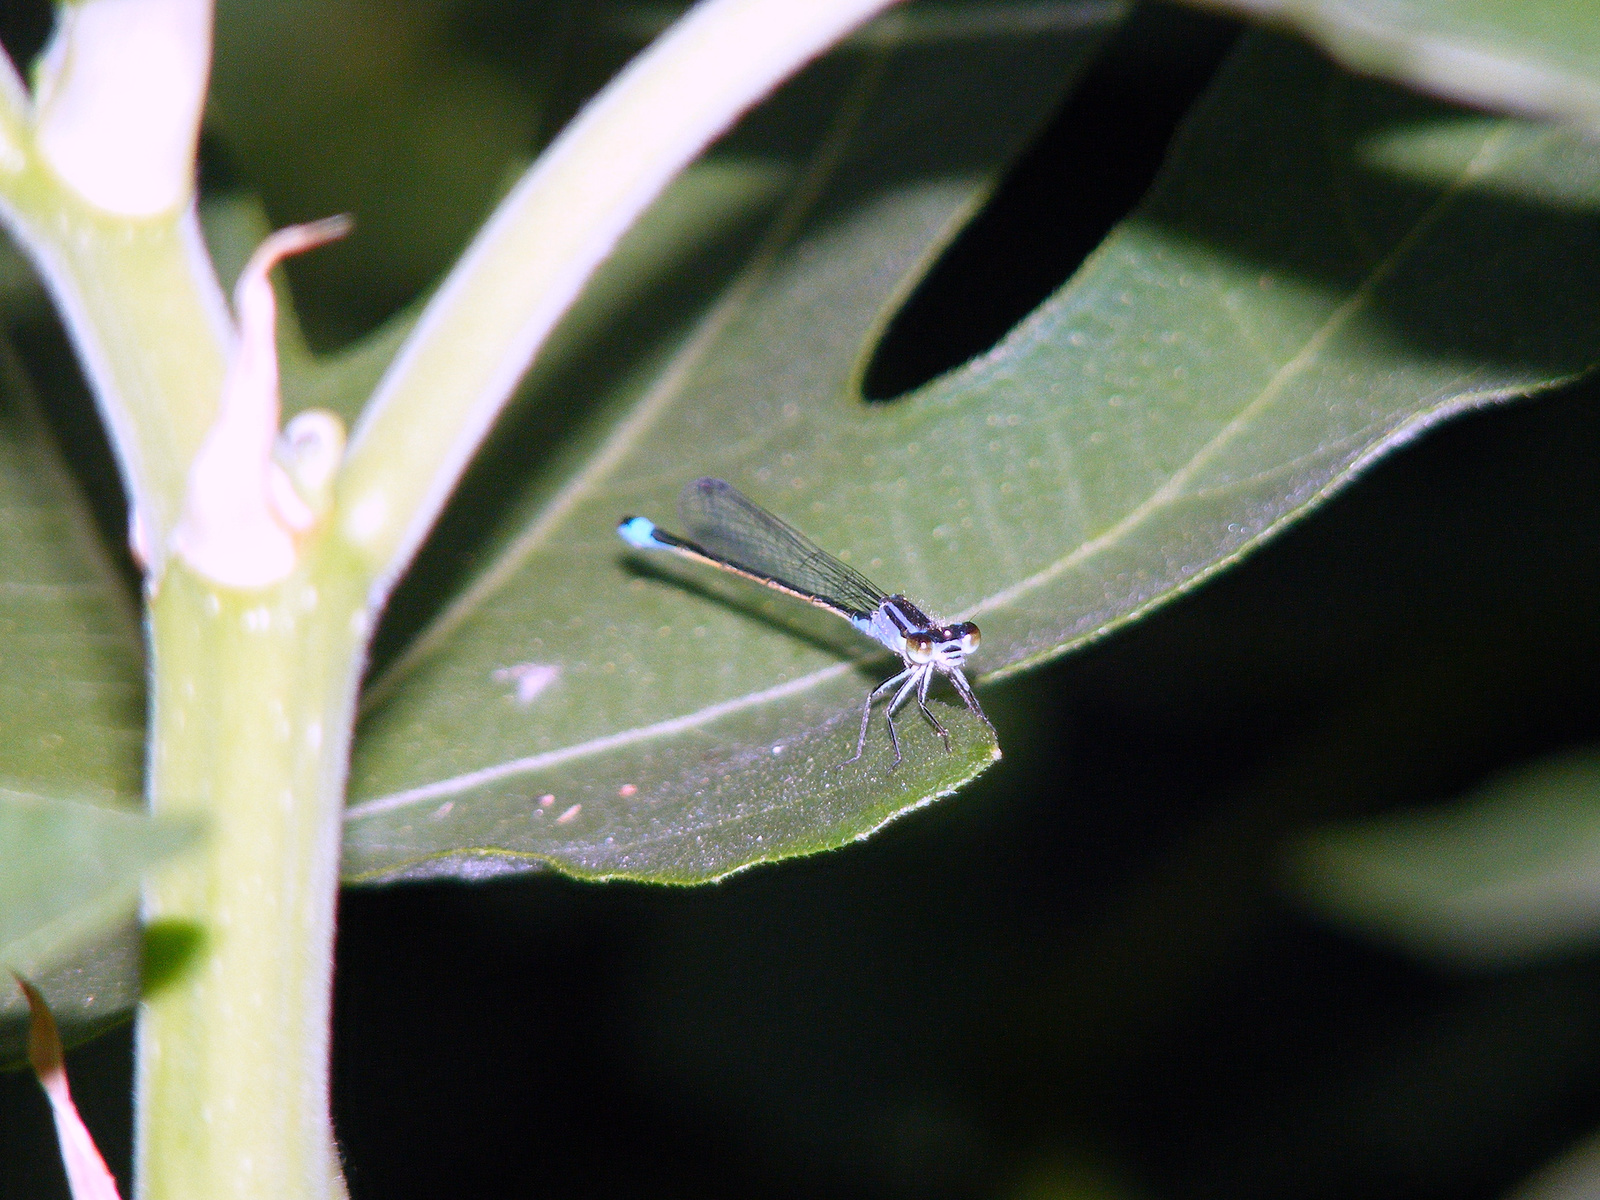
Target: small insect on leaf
(733, 533)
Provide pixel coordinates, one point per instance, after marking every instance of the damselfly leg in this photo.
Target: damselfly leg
(922, 703)
(866, 717)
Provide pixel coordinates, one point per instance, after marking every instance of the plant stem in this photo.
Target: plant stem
(152, 329)
(253, 702)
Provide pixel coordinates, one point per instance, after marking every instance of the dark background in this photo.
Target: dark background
(1077, 977)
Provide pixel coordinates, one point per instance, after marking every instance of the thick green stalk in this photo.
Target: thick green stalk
(97, 187)
(142, 303)
(253, 702)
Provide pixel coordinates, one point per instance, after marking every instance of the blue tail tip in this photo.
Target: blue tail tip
(638, 532)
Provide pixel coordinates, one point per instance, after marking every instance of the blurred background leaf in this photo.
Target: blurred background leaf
(1506, 875)
(415, 136)
(1573, 1176)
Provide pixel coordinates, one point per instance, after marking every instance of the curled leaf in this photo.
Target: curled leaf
(87, 1174)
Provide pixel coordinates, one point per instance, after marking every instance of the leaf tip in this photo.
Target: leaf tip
(44, 1041)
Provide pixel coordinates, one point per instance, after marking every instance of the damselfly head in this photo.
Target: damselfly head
(947, 645)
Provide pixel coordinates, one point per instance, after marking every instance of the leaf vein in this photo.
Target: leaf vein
(1269, 394)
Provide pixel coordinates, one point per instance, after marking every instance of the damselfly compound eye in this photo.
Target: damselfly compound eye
(967, 634)
(919, 647)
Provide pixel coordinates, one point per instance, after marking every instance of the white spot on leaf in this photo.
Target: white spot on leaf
(530, 679)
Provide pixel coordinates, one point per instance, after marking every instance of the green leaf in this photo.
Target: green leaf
(1279, 313)
(72, 708)
(69, 875)
(685, 738)
(1529, 56)
(19, 286)
(1574, 1174)
(71, 658)
(1508, 874)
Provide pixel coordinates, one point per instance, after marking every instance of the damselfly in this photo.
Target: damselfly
(731, 532)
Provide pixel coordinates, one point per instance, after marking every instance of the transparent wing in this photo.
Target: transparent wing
(731, 526)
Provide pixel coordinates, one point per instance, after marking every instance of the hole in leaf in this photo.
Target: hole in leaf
(1084, 173)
